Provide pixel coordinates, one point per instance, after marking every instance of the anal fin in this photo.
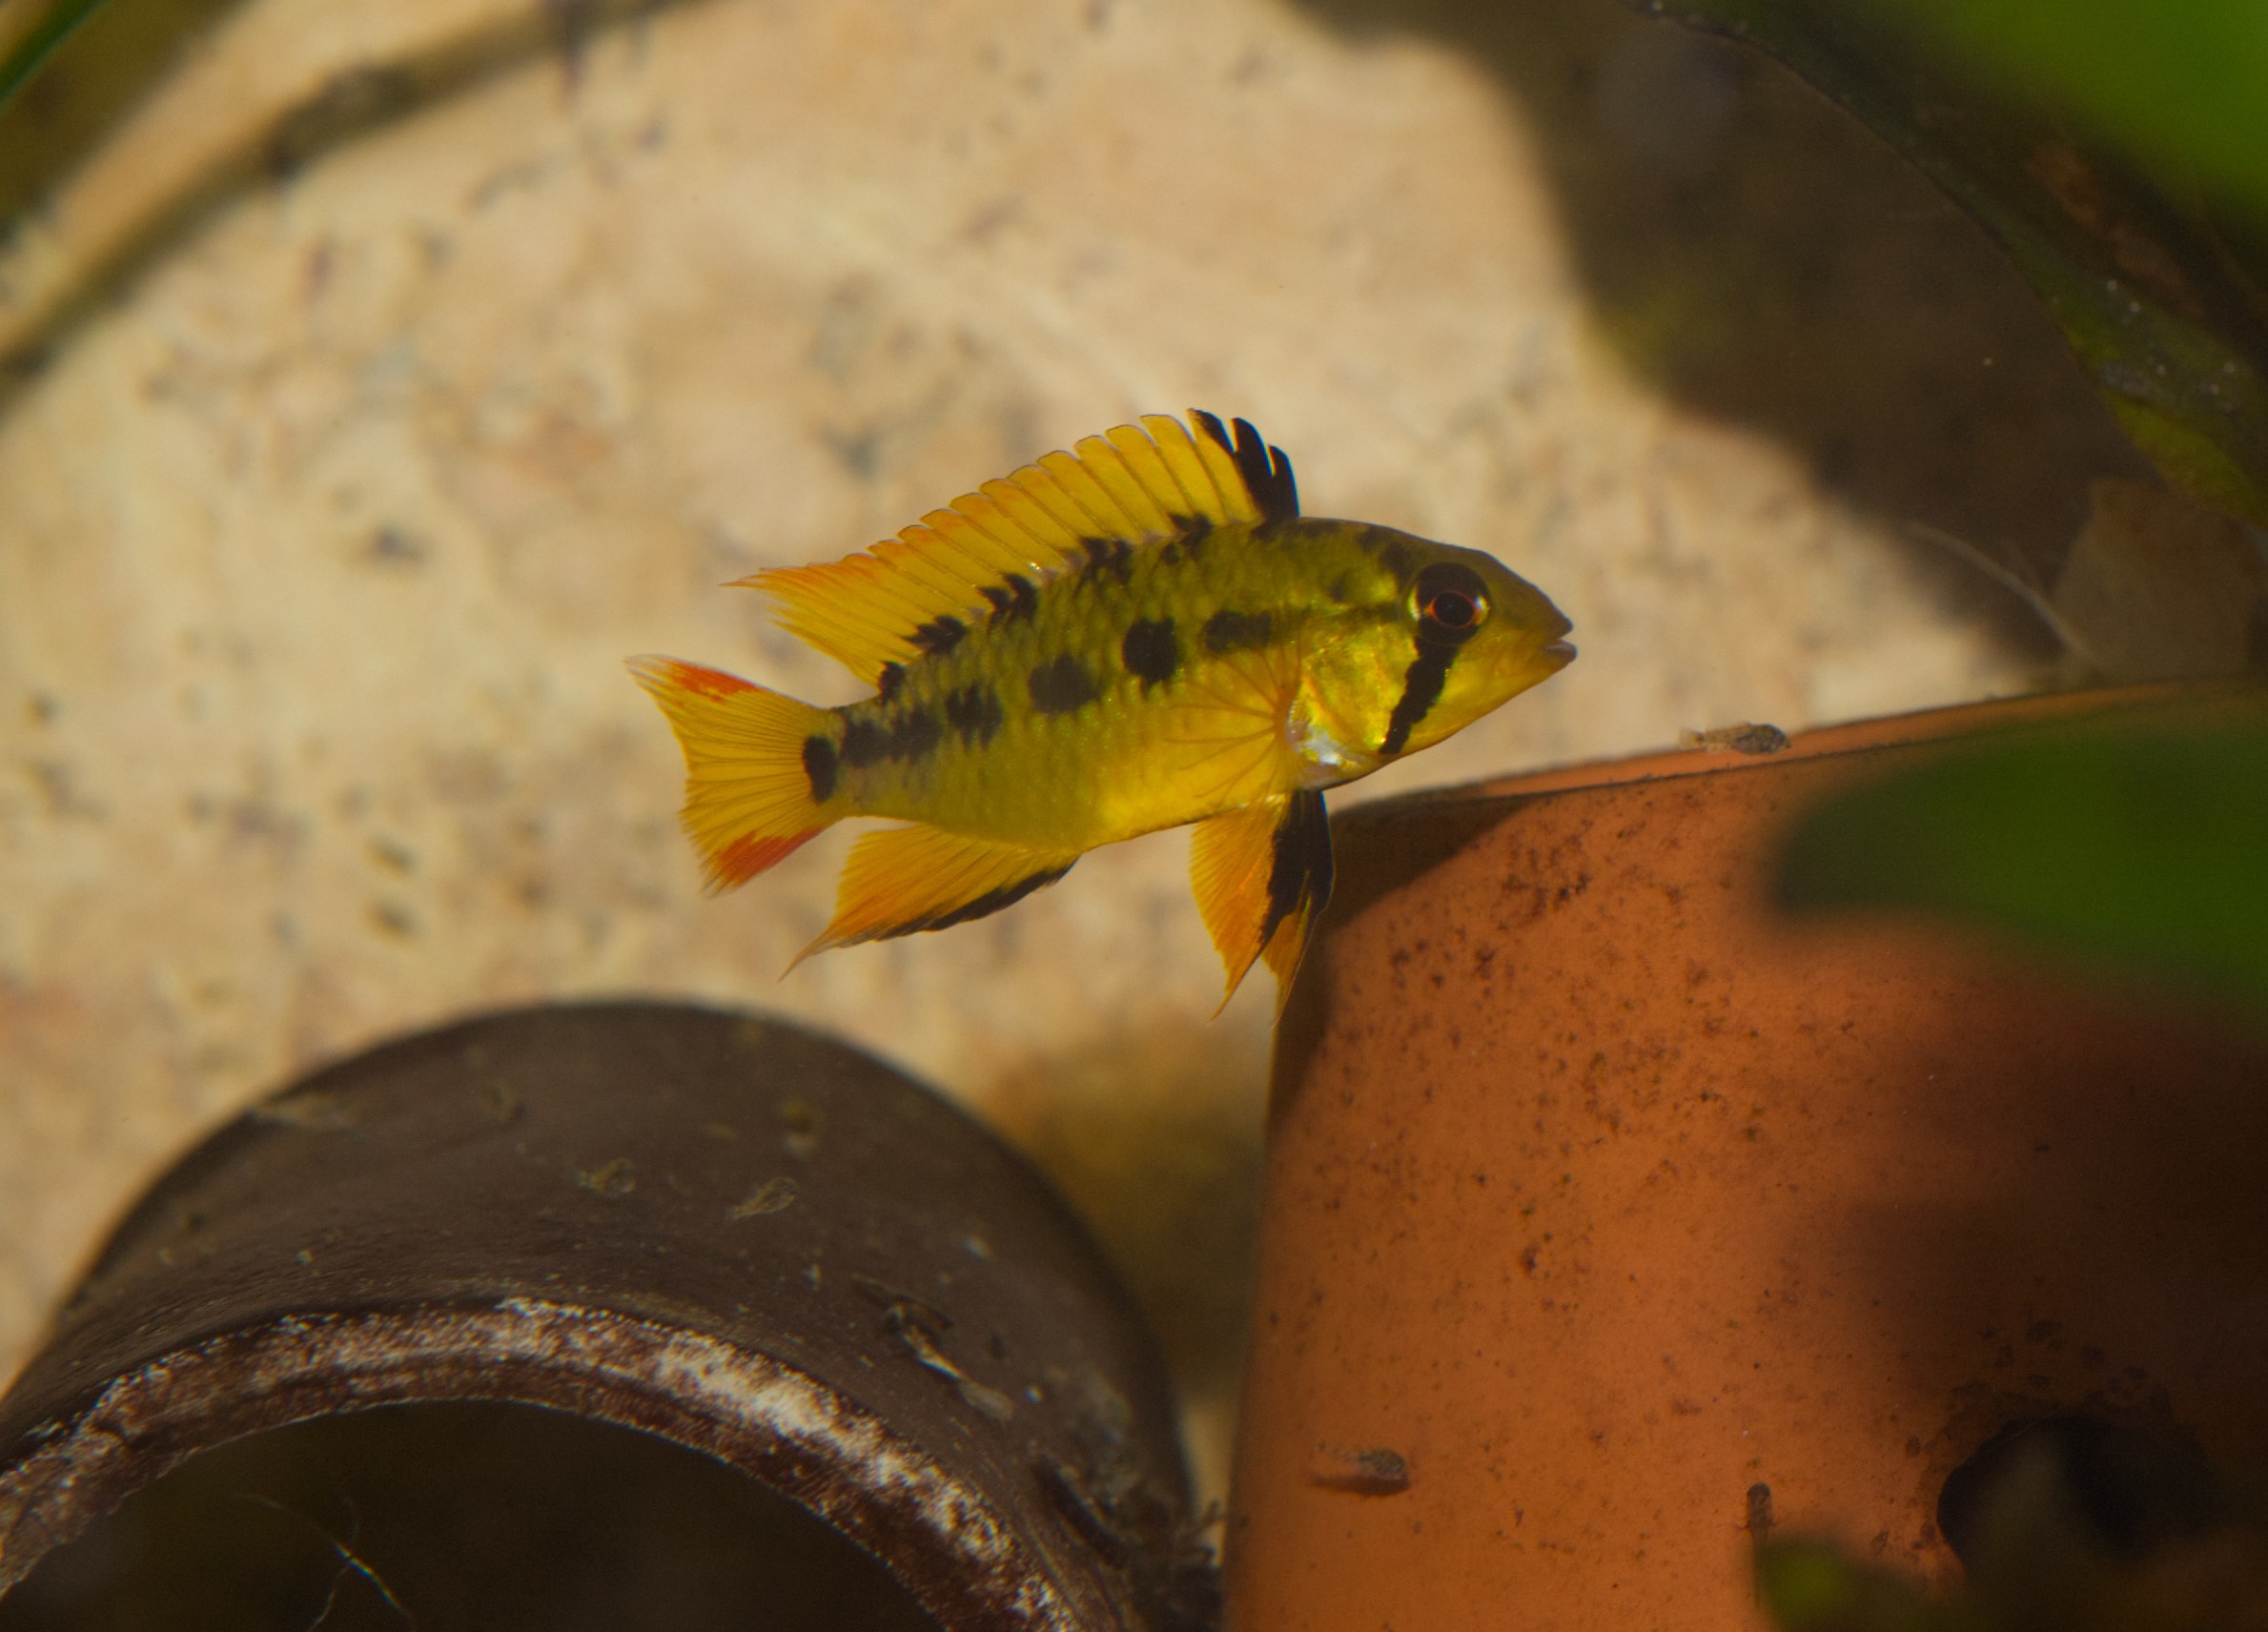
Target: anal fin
(903, 880)
(1262, 874)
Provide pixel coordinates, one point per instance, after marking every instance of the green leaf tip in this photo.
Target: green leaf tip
(2140, 849)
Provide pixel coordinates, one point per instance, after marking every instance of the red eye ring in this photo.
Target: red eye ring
(1452, 609)
(1449, 602)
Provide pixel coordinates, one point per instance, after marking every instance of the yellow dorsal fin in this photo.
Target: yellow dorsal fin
(905, 879)
(1137, 484)
(1261, 874)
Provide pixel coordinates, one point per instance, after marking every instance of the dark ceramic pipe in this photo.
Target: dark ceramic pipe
(742, 1240)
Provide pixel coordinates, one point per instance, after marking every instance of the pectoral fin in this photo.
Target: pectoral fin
(1262, 873)
(905, 879)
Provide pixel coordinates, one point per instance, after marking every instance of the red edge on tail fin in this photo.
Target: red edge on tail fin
(743, 859)
(749, 797)
(694, 677)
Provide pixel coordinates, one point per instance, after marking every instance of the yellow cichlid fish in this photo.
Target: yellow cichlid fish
(1141, 633)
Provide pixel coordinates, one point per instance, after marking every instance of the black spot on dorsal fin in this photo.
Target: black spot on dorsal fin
(1016, 598)
(1112, 556)
(1266, 472)
(939, 635)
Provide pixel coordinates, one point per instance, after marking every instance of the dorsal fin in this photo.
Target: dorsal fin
(923, 590)
(1263, 470)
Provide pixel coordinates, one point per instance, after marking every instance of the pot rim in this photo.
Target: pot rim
(1852, 736)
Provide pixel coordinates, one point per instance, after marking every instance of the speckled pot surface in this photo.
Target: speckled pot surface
(1598, 1195)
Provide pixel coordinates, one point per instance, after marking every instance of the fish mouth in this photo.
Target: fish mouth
(1558, 655)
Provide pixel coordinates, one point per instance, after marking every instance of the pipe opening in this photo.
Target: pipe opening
(2077, 1482)
(433, 1517)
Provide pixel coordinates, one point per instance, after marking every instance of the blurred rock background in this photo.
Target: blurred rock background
(383, 376)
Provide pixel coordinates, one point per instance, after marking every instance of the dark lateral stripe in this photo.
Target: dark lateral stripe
(1267, 474)
(1299, 866)
(984, 905)
(1062, 684)
(1420, 690)
(864, 742)
(975, 713)
(915, 736)
(819, 766)
(1152, 651)
(1228, 632)
(911, 736)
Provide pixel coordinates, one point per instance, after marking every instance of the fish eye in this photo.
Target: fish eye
(1450, 602)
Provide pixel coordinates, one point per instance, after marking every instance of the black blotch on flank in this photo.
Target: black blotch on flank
(1062, 684)
(1420, 690)
(984, 905)
(940, 635)
(975, 711)
(1152, 651)
(819, 766)
(1113, 556)
(888, 682)
(1228, 632)
(1300, 862)
(1013, 597)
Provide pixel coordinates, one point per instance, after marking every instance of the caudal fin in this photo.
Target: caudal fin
(752, 788)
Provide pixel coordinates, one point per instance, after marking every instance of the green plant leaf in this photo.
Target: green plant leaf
(2180, 85)
(38, 42)
(1809, 1586)
(2159, 280)
(2139, 849)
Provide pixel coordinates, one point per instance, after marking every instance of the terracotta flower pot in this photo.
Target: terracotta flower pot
(1599, 1196)
(802, 1335)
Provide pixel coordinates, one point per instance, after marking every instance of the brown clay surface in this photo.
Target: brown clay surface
(1597, 1194)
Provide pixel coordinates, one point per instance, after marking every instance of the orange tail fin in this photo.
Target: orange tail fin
(751, 793)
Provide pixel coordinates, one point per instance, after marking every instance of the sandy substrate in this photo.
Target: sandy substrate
(322, 545)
